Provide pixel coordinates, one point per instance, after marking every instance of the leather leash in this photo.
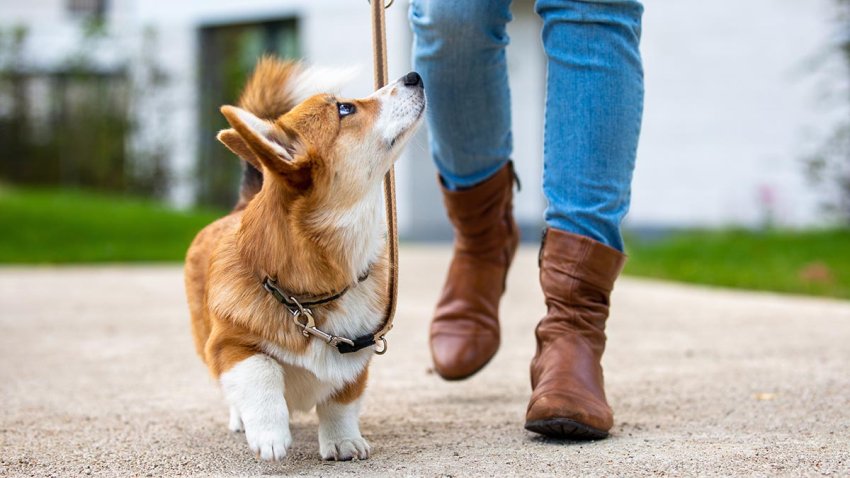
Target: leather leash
(379, 47)
(300, 310)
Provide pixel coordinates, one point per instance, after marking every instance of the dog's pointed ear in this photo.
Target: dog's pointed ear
(236, 144)
(276, 149)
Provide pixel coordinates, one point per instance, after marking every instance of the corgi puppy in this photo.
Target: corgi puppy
(286, 291)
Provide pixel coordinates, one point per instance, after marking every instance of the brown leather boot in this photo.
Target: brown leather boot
(568, 392)
(465, 330)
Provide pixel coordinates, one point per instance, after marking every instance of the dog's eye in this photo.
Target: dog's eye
(345, 109)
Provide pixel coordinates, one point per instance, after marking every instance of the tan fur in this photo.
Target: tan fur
(352, 390)
(196, 276)
(239, 147)
(264, 94)
(226, 263)
(310, 217)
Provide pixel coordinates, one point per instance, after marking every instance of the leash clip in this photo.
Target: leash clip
(386, 5)
(309, 326)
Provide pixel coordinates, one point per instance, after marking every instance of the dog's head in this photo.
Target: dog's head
(330, 148)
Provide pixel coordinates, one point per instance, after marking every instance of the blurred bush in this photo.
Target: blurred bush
(829, 165)
(72, 124)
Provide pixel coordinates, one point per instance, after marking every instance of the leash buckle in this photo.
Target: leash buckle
(383, 349)
(271, 287)
(336, 340)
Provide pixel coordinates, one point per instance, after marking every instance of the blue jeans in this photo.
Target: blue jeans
(594, 101)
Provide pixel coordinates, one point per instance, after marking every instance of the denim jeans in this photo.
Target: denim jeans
(594, 101)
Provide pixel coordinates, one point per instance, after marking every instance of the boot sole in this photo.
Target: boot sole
(565, 428)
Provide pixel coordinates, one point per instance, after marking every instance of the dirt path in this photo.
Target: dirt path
(98, 376)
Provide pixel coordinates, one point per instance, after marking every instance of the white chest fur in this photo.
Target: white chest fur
(314, 375)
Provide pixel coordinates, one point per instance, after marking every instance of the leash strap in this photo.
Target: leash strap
(301, 309)
(379, 46)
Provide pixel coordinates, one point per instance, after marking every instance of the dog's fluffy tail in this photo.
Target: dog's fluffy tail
(270, 90)
(275, 87)
(267, 94)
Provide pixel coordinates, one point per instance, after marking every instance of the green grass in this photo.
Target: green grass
(802, 262)
(65, 226)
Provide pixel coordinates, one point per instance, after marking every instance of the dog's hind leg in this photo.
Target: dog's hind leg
(235, 423)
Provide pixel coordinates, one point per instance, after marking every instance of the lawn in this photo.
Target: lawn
(66, 227)
(51, 227)
(802, 262)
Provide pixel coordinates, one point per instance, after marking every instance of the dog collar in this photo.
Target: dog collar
(294, 305)
(301, 308)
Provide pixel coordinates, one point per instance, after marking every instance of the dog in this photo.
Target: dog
(283, 290)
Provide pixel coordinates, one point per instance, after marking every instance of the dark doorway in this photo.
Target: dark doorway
(228, 55)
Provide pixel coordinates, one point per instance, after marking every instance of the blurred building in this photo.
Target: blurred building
(734, 96)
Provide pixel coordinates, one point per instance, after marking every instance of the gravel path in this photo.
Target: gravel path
(98, 376)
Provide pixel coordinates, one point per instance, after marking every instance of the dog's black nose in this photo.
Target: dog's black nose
(412, 79)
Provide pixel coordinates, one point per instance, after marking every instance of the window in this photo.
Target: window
(87, 8)
(228, 54)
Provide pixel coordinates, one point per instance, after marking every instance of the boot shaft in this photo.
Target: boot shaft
(465, 333)
(482, 215)
(568, 386)
(577, 275)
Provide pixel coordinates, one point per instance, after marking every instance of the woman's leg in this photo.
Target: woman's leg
(459, 49)
(594, 103)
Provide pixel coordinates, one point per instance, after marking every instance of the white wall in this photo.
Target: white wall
(732, 99)
(732, 104)
(526, 69)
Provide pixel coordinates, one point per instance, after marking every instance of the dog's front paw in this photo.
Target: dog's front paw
(269, 442)
(344, 449)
